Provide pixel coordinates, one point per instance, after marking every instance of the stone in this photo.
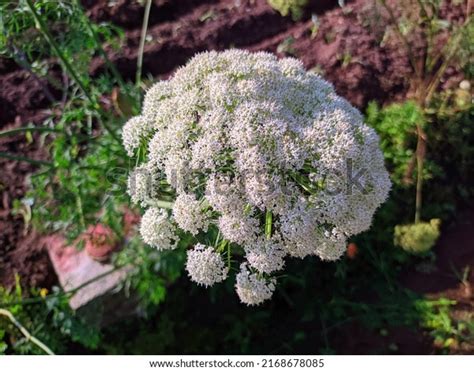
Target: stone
(100, 297)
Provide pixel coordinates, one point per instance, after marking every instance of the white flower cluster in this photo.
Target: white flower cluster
(252, 288)
(189, 215)
(157, 230)
(263, 151)
(205, 266)
(266, 256)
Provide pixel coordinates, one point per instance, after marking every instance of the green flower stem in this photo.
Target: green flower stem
(80, 209)
(223, 245)
(6, 133)
(25, 159)
(268, 224)
(163, 204)
(141, 47)
(25, 332)
(302, 182)
(44, 29)
(420, 157)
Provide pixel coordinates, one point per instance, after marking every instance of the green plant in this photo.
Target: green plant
(83, 182)
(417, 238)
(415, 23)
(295, 8)
(49, 319)
(3, 344)
(75, 191)
(31, 32)
(448, 131)
(28, 336)
(286, 46)
(71, 190)
(152, 272)
(396, 125)
(447, 332)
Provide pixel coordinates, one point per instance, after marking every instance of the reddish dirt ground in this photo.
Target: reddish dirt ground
(346, 50)
(454, 259)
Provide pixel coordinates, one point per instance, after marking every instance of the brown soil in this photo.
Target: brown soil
(443, 279)
(346, 50)
(20, 249)
(371, 73)
(451, 276)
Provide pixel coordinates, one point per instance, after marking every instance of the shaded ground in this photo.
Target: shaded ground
(452, 274)
(345, 49)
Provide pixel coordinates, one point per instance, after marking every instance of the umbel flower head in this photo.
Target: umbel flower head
(205, 266)
(261, 151)
(417, 238)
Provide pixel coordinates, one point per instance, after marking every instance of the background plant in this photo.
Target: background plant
(50, 320)
(432, 45)
(83, 181)
(295, 8)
